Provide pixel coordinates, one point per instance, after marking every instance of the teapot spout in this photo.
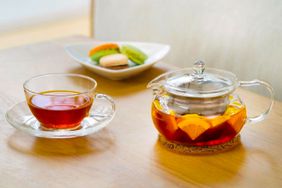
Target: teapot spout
(156, 83)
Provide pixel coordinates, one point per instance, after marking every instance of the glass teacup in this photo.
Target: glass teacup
(60, 101)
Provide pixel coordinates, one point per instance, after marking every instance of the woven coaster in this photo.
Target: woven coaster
(199, 150)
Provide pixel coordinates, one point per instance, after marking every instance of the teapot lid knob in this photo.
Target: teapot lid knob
(198, 69)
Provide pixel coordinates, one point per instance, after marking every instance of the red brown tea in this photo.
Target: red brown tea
(199, 130)
(60, 109)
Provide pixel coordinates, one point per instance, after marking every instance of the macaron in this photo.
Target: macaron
(134, 54)
(114, 60)
(103, 50)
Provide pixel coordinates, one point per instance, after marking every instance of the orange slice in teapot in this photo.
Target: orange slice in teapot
(215, 121)
(218, 120)
(231, 110)
(169, 119)
(159, 107)
(238, 120)
(193, 126)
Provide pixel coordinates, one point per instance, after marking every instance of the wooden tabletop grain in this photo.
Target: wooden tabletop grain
(126, 153)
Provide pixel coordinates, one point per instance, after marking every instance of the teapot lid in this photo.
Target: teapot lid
(200, 82)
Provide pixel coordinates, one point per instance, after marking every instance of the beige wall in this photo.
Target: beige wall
(16, 15)
(30, 21)
(243, 36)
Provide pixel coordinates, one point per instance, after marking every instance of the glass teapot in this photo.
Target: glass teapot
(198, 107)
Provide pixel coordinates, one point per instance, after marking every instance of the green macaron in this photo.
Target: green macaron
(134, 54)
(98, 55)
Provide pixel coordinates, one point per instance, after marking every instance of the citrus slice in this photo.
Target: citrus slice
(169, 119)
(184, 117)
(231, 110)
(237, 121)
(157, 104)
(159, 107)
(215, 121)
(194, 126)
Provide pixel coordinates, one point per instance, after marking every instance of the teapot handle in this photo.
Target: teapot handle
(262, 116)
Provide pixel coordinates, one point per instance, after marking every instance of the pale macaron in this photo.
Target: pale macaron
(113, 60)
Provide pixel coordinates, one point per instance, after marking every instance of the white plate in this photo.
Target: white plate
(155, 52)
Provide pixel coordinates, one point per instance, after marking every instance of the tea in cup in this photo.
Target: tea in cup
(60, 101)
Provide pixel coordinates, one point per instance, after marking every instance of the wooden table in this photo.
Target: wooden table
(126, 153)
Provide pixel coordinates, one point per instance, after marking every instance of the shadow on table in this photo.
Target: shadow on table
(123, 87)
(95, 143)
(201, 169)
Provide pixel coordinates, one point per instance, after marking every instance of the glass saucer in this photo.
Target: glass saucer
(100, 115)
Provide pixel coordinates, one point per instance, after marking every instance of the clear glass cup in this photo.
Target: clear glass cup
(61, 101)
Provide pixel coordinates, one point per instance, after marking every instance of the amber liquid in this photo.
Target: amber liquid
(60, 109)
(193, 129)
